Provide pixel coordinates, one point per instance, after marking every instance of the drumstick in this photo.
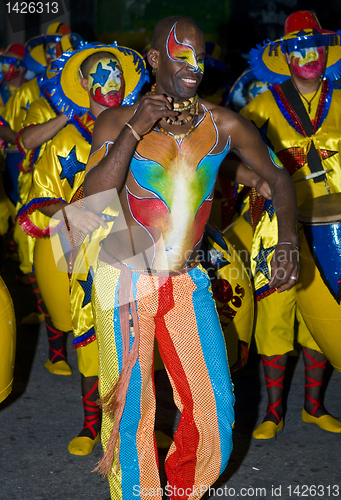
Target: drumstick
(315, 174)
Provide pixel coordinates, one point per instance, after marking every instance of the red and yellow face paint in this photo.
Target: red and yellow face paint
(106, 83)
(182, 52)
(308, 63)
(10, 67)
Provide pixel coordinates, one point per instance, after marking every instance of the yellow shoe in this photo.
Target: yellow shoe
(82, 445)
(59, 368)
(267, 430)
(162, 440)
(326, 422)
(33, 318)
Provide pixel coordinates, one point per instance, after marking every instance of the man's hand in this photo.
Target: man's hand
(284, 267)
(151, 109)
(84, 220)
(263, 189)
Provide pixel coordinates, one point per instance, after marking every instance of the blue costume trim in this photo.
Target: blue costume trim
(264, 74)
(37, 202)
(285, 112)
(83, 131)
(85, 339)
(29, 61)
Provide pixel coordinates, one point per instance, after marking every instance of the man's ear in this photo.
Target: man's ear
(84, 83)
(153, 58)
(287, 57)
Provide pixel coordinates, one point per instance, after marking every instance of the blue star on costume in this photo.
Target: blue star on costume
(269, 209)
(99, 76)
(261, 259)
(263, 130)
(70, 166)
(87, 286)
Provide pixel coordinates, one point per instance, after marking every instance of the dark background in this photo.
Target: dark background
(237, 25)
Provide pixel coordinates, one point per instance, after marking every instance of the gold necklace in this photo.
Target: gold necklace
(184, 106)
(194, 111)
(177, 137)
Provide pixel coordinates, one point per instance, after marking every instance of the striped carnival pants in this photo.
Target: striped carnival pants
(181, 313)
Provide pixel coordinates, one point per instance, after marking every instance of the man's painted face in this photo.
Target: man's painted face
(181, 52)
(308, 63)
(50, 52)
(106, 83)
(9, 67)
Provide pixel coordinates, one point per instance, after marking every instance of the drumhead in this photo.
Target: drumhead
(321, 210)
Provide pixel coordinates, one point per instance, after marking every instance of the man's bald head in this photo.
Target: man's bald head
(91, 60)
(163, 27)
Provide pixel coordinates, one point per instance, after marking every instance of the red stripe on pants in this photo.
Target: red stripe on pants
(180, 466)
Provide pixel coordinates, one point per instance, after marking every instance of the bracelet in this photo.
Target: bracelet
(135, 134)
(288, 243)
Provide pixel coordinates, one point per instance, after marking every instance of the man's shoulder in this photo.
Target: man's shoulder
(110, 123)
(117, 114)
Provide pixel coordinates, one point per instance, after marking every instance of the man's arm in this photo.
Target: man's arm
(85, 220)
(7, 134)
(238, 172)
(247, 143)
(35, 136)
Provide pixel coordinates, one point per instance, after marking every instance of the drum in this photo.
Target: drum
(233, 294)
(7, 341)
(319, 285)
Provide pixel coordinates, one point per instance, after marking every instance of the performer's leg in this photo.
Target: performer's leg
(274, 335)
(25, 249)
(83, 444)
(39, 315)
(54, 288)
(192, 347)
(88, 366)
(274, 373)
(314, 412)
(138, 461)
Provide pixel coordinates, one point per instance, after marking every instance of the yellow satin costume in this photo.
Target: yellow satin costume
(13, 115)
(58, 176)
(280, 129)
(40, 111)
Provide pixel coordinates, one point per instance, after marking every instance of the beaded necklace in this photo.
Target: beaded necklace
(178, 137)
(183, 106)
(193, 115)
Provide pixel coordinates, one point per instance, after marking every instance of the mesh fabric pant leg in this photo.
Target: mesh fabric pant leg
(193, 350)
(192, 346)
(138, 454)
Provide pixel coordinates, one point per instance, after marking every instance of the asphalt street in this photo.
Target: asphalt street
(44, 412)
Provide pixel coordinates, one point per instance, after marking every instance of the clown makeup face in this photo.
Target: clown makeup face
(106, 83)
(308, 63)
(10, 67)
(181, 52)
